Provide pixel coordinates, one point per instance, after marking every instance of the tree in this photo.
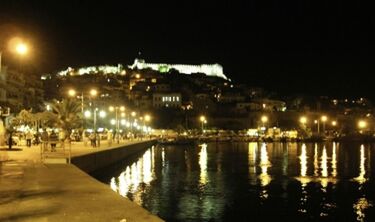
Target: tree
(26, 117)
(67, 114)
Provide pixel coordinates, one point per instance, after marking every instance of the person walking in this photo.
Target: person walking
(53, 139)
(92, 138)
(84, 138)
(62, 137)
(44, 137)
(29, 137)
(109, 138)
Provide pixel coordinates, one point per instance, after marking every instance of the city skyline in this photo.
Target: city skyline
(287, 48)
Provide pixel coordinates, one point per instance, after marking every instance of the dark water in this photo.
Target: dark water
(251, 182)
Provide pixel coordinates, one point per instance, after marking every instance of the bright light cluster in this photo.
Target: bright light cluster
(94, 70)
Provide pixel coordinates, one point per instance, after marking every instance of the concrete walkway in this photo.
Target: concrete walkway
(33, 191)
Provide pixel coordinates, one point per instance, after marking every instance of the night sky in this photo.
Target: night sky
(314, 47)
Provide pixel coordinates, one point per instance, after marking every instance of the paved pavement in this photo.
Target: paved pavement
(33, 191)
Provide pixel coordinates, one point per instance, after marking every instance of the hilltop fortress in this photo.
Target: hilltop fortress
(215, 70)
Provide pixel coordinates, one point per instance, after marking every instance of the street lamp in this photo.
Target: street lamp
(317, 122)
(303, 120)
(264, 120)
(102, 114)
(147, 118)
(203, 120)
(117, 122)
(20, 48)
(362, 124)
(93, 92)
(72, 93)
(324, 119)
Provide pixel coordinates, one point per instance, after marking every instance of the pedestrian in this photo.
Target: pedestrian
(92, 138)
(29, 137)
(98, 139)
(44, 137)
(36, 138)
(53, 139)
(84, 138)
(62, 138)
(109, 137)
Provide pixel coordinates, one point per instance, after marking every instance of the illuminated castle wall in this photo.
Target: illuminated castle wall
(94, 70)
(210, 70)
(215, 70)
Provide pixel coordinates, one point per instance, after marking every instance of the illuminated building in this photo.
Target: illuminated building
(214, 70)
(18, 91)
(166, 100)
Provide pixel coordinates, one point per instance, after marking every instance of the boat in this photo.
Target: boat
(177, 141)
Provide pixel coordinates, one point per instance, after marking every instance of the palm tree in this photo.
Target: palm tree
(26, 117)
(67, 114)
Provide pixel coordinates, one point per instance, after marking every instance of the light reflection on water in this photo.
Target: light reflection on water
(222, 181)
(264, 177)
(203, 164)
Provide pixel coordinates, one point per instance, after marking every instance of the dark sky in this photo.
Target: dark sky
(317, 47)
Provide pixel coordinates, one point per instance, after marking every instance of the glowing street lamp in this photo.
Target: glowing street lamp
(133, 114)
(324, 120)
(20, 48)
(362, 124)
(87, 114)
(264, 120)
(71, 92)
(102, 114)
(203, 120)
(334, 123)
(303, 120)
(147, 118)
(93, 92)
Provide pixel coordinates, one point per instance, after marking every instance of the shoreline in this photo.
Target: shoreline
(33, 191)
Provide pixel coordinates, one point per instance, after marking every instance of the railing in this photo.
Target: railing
(56, 150)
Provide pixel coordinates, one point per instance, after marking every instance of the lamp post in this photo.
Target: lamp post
(264, 120)
(203, 120)
(147, 119)
(324, 119)
(20, 48)
(72, 93)
(303, 120)
(133, 114)
(95, 109)
(116, 108)
(318, 127)
(362, 124)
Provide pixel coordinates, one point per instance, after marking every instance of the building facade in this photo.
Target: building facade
(171, 100)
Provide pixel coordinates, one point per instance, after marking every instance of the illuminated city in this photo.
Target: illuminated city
(191, 111)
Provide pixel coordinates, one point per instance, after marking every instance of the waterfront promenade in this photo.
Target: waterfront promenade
(33, 191)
